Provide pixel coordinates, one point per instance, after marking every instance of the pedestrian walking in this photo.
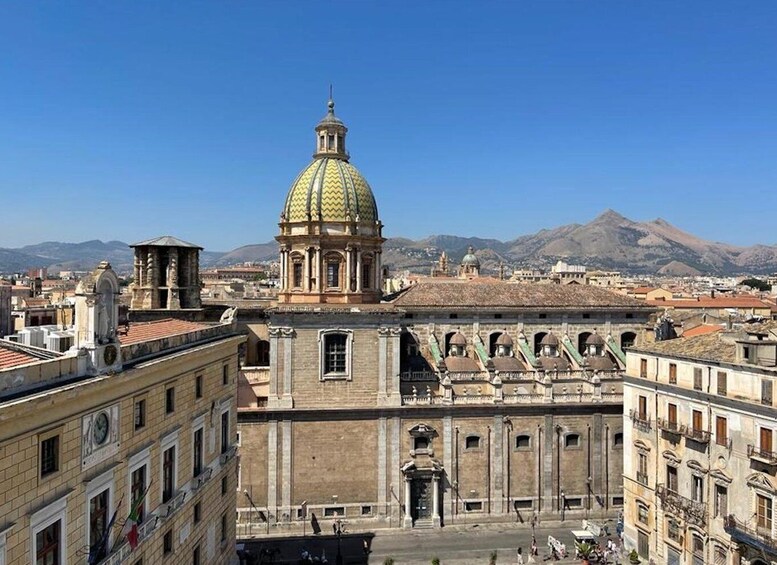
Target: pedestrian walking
(520, 556)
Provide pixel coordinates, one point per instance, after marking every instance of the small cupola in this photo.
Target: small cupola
(594, 345)
(458, 345)
(330, 134)
(504, 345)
(549, 345)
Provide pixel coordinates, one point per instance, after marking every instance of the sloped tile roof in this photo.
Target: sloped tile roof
(12, 358)
(713, 347)
(166, 241)
(702, 329)
(148, 331)
(499, 294)
(709, 302)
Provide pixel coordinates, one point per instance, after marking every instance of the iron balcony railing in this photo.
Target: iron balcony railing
(761, 537)
(762, 455)
(696, 434)
(690, 510)
(668, 426)
(640, 420)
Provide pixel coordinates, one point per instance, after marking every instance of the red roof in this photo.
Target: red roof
(709, 302)
(12, 358)
(702, 329)
(148, 331)
(643, 289)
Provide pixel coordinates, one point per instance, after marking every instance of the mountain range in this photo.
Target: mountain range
(610, 241)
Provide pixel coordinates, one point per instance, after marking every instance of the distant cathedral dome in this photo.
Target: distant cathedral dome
(470, 259)
(330, 189)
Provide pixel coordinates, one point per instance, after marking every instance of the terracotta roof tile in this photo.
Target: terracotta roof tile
(499, 294)
(12, 358)
(702, 329)
(709, 302)
(709, 347)
(148, 331)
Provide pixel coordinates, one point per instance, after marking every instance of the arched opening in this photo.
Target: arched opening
(410, 358)
(448, 337)
(537, 339)
(581, 339)
(628, 339)
(333, 264)
(492, 343)
(263, 353)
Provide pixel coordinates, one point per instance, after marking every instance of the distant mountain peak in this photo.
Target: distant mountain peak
(610, 215)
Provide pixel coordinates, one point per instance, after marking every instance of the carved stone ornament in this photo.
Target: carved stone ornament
(759, 481)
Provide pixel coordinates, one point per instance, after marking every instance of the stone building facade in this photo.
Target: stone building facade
(150, 408)
(166, 275)
(700, 462)
(456, 399)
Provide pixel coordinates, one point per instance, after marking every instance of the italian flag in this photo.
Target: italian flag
(130, 529)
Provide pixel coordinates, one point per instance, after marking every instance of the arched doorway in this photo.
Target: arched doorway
(537, 339)
(492, 343)
(628, 339)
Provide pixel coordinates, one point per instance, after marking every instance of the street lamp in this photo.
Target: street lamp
(339, 527)
(588, 482)
(563, 504)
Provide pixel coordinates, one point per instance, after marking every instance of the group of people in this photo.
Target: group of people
(533, 553)
(611, 551)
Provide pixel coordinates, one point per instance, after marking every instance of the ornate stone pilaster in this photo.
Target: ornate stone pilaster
(383, 449)
(358, 270)
(383, 334)
(436, 500)
(447, 458)
(496, 471)
(272, 469)
(394, 393)
(407, 522)
(317, 270)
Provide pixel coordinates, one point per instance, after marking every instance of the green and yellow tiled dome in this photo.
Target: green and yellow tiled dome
(330, 189)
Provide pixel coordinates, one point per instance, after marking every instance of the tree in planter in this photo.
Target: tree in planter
(634, 557)
(584, 551)
(388, 561)
(492, 558)
(436, 561)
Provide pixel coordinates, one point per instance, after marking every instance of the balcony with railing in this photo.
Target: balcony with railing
(121, 553)
(690, 510)
(642, 478)
(640, 420)
(668, 426)
(696, 434)
(762, 455)
(420, 400)
(753, 535)
(525, 398)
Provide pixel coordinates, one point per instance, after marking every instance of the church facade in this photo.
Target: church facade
(455, 399)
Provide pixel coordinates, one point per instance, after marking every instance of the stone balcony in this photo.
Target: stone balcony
(750, 534)
(691, 511)
(640, 421)
(761, 455)
(696, 434)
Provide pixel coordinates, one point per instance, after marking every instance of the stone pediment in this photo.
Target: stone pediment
(641, 445)
(720, 477)
(422, 430)
(672, 457)
(696, 466)
(761, 482)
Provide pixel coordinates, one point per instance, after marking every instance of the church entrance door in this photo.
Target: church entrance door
(421, 499)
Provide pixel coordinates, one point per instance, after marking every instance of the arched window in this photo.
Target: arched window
(617, 440)
(492, 343)
(333, 263)
(523, 442)
(472, 442)
(537, 339)
(581, 339)
(263, 353)
(572, 440)
(628, 339)
(297, 267)
(447, 349)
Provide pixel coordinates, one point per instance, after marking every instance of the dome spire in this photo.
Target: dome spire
(330, 134)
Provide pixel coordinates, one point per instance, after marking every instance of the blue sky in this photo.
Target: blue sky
(127, 120)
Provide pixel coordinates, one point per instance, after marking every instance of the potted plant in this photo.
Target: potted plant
(584, 551)
(492, 558)
(436, 561)
(634, 557)
(388, 561)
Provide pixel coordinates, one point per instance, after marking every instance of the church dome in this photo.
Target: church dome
(470, 259)
(330, 189)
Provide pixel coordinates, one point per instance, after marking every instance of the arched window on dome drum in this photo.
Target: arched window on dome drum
(296, 272)
(333, 264)
(366, 271)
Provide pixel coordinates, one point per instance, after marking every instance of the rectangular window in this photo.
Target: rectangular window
(334, 511)
(471, 506)
(49, 456)
(697, 421)
(721, 431)
(335, 350)
(137, 489)
(697, 378)
(167, 543)
(98, 521)
(223, 527)
(196, 555)
(170, 400)
(721, 500)
(643, 544)
(198, 386)
(366, 510)
(333, 274)
(722, 383)
(140, 413)
(617, 501)
(697, 489)
(297, 275)
(643, 408)
(225, 375)
(766, 392)
(225, 432)
(366, 268)
(766, 440)
(47, 542)
(197, 513)
(763, 513)
(643, 368)
(224, 486)
(672, 413)
(197, 453)
(168, 474)
(642, 513)
(671, 478)
(672, 374)
(642, 474)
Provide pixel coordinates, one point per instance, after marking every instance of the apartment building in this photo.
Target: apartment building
(699, 452)
(144, 418)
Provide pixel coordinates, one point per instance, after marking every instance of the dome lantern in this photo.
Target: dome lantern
(330, 134)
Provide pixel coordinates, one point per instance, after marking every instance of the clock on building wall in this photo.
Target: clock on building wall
(109, 355)
(102, 425)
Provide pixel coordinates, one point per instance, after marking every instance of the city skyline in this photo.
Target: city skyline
(490, 123)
